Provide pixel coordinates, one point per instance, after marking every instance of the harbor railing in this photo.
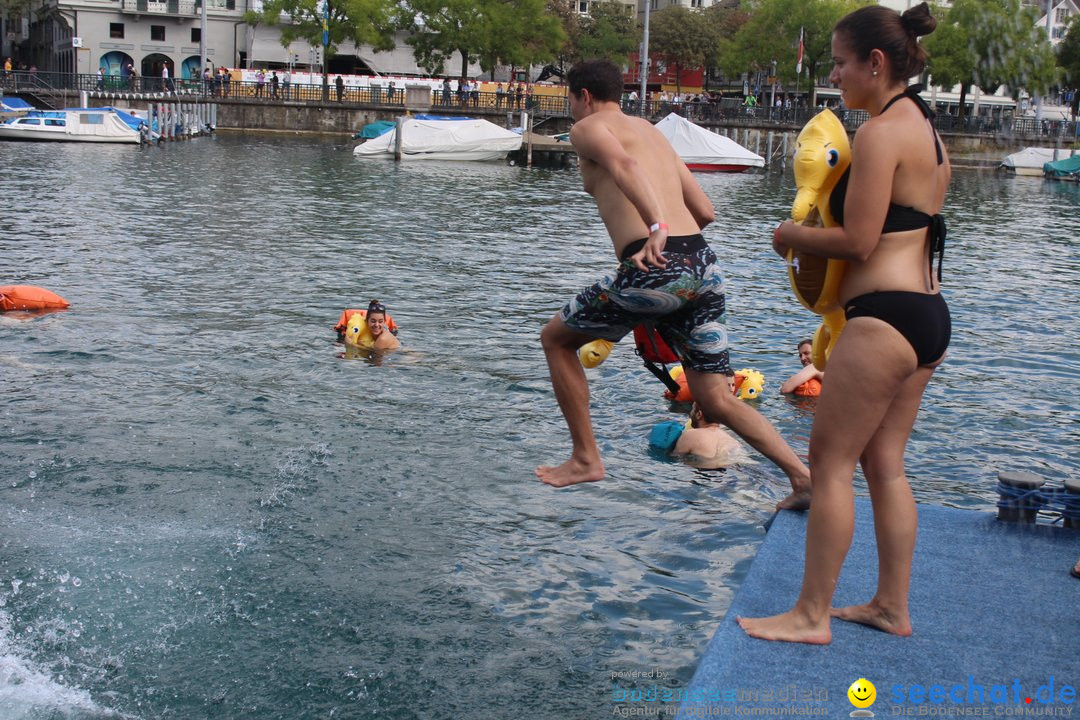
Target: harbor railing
(542, 105)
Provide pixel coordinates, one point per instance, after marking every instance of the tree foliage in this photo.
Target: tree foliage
(608, 31)
(517, 32)
(772, 33)
(358, 21)
(683, 38)
(990, 44)
(1068, 58)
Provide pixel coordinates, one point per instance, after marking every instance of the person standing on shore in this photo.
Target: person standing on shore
(642, 188)
(898, 325)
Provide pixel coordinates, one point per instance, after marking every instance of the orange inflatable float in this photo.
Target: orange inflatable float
(30, 297)
(748, 385)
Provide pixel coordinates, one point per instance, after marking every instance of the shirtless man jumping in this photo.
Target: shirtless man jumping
(667, 277)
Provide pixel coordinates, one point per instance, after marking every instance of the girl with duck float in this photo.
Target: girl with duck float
(897, 329)
(370, 329)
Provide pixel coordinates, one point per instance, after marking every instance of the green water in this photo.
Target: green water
(206, 513)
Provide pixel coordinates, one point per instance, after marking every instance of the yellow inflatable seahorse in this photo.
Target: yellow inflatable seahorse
(822, 154)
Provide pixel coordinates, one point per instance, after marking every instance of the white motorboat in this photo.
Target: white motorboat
(425, 137)
(100, 125)
(1029, 161)
(706, 151)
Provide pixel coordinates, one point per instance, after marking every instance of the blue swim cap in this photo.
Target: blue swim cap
(665, 434)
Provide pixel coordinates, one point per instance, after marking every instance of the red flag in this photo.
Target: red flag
(798, 59)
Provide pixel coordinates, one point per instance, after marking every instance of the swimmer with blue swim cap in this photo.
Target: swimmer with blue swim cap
(702, 442)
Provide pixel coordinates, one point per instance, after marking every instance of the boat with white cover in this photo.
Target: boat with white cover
(426, 137)
(1029, 161)
(99, 125)
(706, 151)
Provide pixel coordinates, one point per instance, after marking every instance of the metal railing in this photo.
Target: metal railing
(541, 105)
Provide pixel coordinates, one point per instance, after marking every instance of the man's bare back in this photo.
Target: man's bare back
(626, 164)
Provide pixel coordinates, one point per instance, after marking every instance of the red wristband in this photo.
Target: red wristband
(776, 234)
(658, 226)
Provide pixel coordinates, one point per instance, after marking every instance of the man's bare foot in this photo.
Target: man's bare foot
(571, 472)
(792, 626)
(875, 616)
(797, 500)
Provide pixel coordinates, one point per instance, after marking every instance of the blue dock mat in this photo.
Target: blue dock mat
(996, 620)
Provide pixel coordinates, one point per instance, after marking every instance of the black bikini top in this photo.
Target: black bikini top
(901, 217)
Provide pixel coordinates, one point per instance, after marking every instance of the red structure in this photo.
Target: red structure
(688, 77)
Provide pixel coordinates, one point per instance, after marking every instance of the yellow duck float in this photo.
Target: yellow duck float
(822, 154)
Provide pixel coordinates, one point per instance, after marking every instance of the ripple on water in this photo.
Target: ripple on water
(261, 529)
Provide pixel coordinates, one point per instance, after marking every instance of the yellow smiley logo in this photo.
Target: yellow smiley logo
(862, 693)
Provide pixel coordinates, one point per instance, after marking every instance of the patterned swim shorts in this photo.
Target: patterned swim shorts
(684, 301)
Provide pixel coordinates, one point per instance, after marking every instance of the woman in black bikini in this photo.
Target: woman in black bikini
(897, 322)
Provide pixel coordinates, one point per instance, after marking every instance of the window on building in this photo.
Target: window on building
(583, 7)
(1061, 16)
(157, 33)
(116, 30)
(196, 35)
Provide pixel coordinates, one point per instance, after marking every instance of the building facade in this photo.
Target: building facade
(80, 36)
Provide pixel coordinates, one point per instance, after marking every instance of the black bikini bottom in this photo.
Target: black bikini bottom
(922, 319)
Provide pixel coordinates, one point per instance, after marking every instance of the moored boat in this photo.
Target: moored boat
(1028, 161)
(706, 151)
(1067, 168)
(425, 137)
(100, 125)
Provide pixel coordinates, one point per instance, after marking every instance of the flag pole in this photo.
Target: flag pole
(798, 61)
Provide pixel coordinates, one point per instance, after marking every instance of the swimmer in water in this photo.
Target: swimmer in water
(380, 333)
(806, 382)
(706, 444)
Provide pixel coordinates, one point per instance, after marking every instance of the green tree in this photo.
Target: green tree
(1068, 58)
(609, 31)
(359, 21)
(683, 38)
(517, 32)
(988, 44)
(772, 34)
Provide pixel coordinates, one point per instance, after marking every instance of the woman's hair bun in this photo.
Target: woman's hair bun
(918, 21)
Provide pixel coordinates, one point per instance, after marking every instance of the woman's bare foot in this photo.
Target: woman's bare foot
(792, 626)
(797, 500)
(875, 616)
(571, 472)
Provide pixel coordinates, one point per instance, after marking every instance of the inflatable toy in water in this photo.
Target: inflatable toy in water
(822, 154)
(683, 395)
(749, 384)
(30, 297)
(352, 328)
(593, 353)
(359, 334)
